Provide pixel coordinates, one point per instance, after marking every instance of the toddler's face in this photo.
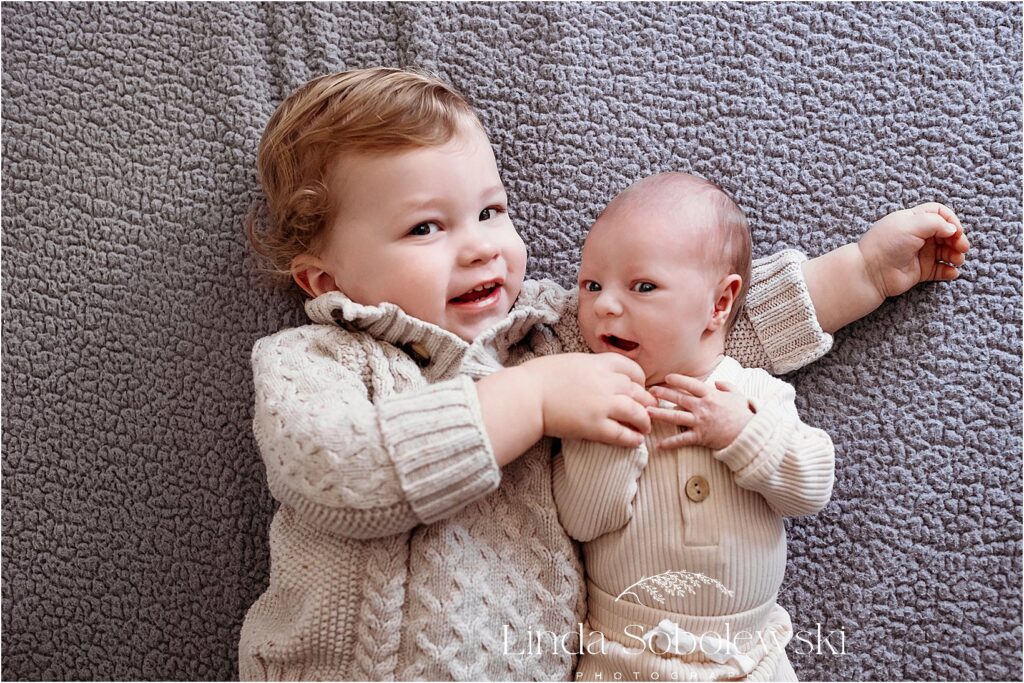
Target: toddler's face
(647, 290)
(428, 230)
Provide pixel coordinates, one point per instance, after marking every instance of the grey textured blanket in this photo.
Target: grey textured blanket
(135, 510)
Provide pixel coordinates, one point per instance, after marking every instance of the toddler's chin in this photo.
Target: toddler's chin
(470, 332)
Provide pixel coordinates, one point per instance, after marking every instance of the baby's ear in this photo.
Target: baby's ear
(308, 272)
(726, 291)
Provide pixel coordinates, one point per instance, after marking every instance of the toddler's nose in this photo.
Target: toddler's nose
(478, 249)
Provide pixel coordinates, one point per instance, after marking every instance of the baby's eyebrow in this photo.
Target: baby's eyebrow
(493, 190)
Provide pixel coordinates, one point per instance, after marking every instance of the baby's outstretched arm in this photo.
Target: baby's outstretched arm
(761, 439)
(899, 251)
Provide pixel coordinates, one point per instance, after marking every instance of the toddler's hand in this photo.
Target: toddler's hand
(597, 397)
(910, 246)
(713, 416)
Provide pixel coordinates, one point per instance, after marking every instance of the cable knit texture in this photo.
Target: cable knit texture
(648, 533)
(400, 550)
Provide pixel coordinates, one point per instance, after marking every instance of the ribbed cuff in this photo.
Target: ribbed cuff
(439, 447)
(780, 309)
(748, 452)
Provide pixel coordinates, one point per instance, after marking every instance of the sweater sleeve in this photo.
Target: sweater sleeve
(594, 486)
(564, 303)
(777, 328)
(789, 463)
(358, 467)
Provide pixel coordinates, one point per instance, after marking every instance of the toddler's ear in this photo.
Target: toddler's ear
(726, 292)
(308, 272)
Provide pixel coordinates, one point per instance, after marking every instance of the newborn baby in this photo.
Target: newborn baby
(684, 543)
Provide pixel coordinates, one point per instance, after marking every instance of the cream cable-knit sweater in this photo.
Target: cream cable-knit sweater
(650, 523)
(400, 550)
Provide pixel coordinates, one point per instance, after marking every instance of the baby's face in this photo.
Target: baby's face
(647, 290)
(428, 229)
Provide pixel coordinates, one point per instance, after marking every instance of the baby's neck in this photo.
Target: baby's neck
(699, 365)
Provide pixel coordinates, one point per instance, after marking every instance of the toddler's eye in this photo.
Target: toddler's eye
(591, 286)
(489, 213)
(424, 229)
(644, 287)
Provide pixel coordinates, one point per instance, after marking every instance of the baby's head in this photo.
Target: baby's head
(381, 184)
(664, 275)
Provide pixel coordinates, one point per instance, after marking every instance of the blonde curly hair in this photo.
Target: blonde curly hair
(303, 147)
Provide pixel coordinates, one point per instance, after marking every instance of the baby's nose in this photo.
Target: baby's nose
(607, 304)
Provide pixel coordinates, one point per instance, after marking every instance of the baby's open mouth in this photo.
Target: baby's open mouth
(618, 342)
(478, 293)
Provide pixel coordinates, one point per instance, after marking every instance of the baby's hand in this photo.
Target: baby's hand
(596, 397)
(713, 416)
(913, 245)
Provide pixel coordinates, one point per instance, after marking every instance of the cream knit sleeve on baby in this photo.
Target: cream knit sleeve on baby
(594, 486)
(789, 463)
(777, 328)
(363, 468)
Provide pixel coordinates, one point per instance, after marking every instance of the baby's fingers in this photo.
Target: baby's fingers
(630, 413)
(948, 214)
(687, 438)
(941, 272)
(960, 244)
(690, 385)
(680, 418)
(949, 256)
(947, 262)
(928, 225)
(683, 400)
(642, 396)
(940, 209)
(615, 434)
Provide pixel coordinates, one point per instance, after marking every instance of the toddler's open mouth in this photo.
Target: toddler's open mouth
(619, 343)
(480, 295)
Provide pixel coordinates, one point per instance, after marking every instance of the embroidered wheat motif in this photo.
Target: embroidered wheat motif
(678, 583)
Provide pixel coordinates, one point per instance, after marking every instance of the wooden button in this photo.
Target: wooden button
(697, 488)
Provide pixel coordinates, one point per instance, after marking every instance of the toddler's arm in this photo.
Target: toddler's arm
(359, 466)
(761, 439)
(365, 466)
(899, 251)
(594, 486)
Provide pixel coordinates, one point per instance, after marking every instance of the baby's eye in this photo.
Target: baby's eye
(424, 229)
(591, 286)
(644, 287)
(489, 213)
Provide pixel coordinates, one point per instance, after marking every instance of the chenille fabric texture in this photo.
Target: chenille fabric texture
(399, 549)
(709, 559)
